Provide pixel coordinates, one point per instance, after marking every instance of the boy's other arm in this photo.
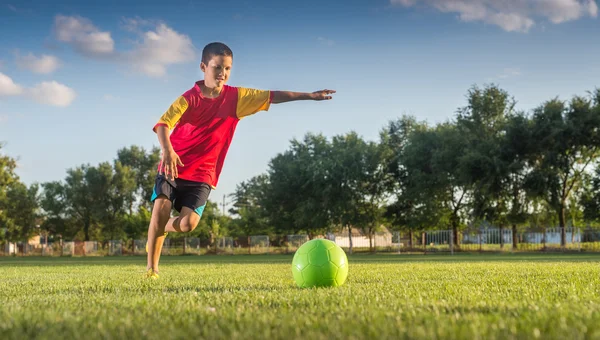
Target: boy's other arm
(288, 96)
(170, 159)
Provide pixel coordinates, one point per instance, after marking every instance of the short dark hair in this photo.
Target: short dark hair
(213, 49)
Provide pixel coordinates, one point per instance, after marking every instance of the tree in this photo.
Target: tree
(355, 186)
(568, 141)
(250, 198)
(7, 178)
(79, 199)
(113, 189)
(435, 183)
(590, 197)
(404, 212)
(18, 204)
(57, 220)
(143, 165)
(489, 169)
(516, 146)
(96, 199)
(297, 199)
(250, 193)
(374, 193)
(21, 211)
(135, 225)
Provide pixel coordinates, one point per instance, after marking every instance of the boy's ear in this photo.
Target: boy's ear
(202, 66)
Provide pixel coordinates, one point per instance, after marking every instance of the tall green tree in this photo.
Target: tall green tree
(482, 123)
(143, 165)
(437, 186)
(113, 190)
(374, 190)
(516, 148)
(251, 201)
(568, 142)
(57, 218)
(355, 186)
(590, 197)
(22, 212)
(404, 212)
(297, 200)
(80, 202)
(135, 226)
(7, 178)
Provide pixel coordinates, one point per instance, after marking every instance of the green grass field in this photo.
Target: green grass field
(254, 297)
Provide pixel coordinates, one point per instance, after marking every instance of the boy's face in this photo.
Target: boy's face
(216, 73)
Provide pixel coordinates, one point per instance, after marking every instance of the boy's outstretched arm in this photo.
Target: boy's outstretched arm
(287, 96)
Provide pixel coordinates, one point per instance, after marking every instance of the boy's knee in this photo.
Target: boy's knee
(186, 225)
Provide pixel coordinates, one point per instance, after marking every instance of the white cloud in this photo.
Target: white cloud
(160, 48)
(52, 93)
(8, 86)
(155, 50)
(44, 64)
(511, 15)
(136, 24)
(3, 118)
(558, 11)
(83, 36)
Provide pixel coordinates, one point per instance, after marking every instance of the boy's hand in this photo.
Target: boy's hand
(168, 164)
(322, 95)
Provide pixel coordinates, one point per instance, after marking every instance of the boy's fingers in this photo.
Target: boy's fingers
(175, 172)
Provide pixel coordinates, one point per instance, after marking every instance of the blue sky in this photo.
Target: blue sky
(79, 81)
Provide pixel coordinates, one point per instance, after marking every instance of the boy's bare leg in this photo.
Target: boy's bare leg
(186, 221)
(160, 222)
(156, 230)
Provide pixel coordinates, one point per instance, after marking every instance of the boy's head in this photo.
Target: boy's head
(217, 59)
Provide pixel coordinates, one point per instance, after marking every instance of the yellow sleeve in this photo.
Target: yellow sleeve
(250, 101)
(174, 113)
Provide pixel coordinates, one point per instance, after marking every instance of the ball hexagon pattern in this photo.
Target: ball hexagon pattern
(319, 263)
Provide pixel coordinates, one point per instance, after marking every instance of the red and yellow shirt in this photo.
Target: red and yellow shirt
(202, 128)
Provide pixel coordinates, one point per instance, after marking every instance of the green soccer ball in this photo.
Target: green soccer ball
(320, 263)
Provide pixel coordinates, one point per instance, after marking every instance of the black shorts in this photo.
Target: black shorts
(182, 193)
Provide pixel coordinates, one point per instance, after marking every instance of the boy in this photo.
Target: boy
(203, 121)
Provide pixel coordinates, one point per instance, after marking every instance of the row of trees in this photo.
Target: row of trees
(488, 163)
(104, 202)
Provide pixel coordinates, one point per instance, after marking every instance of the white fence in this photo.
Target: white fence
(473, 240)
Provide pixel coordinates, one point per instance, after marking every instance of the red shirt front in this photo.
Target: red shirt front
(202, 128)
